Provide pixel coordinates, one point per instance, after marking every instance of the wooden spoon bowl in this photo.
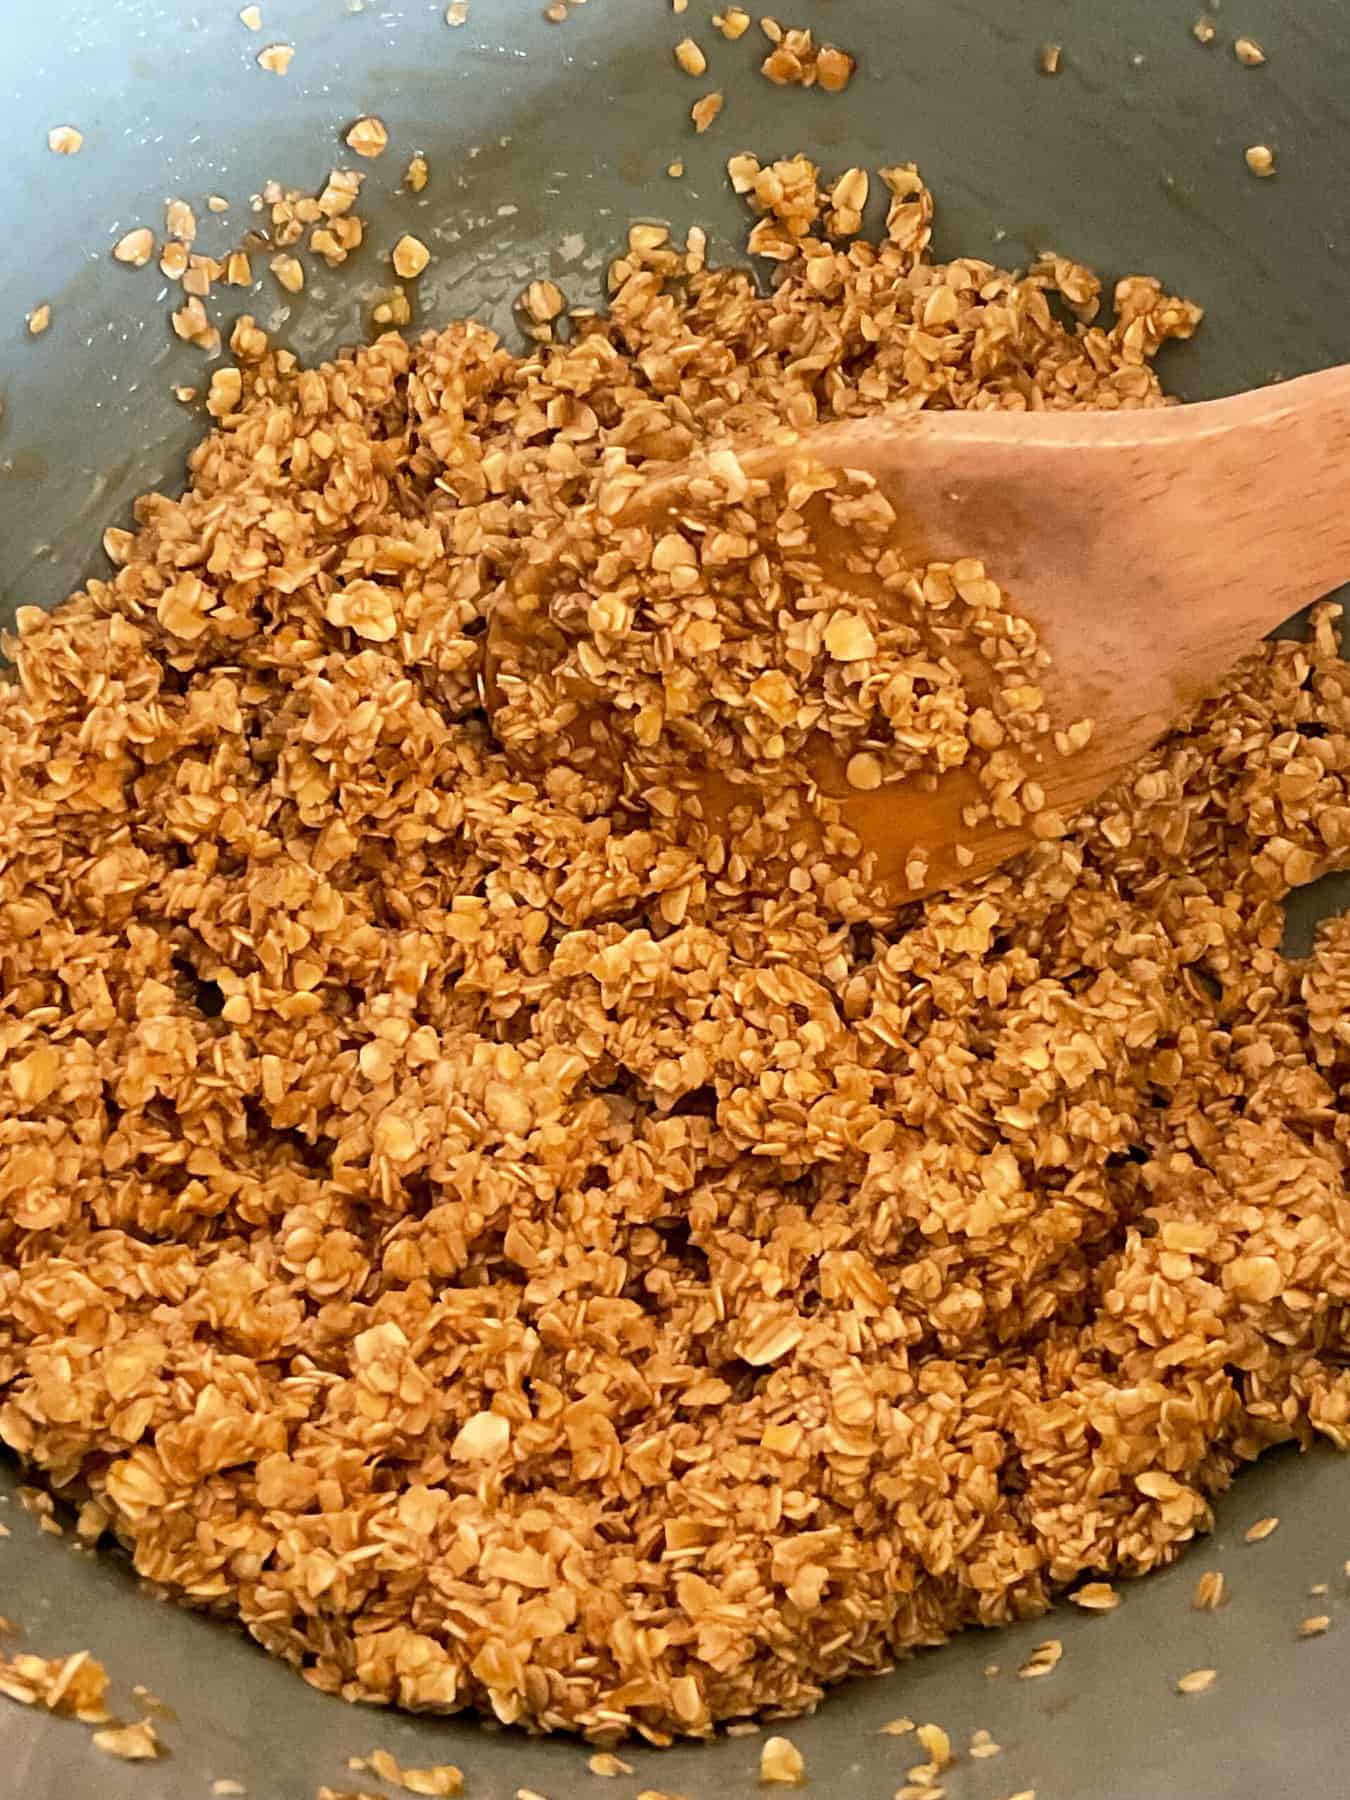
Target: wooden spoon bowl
(1149, 549)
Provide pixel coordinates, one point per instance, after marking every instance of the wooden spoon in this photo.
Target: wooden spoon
(1149, 548)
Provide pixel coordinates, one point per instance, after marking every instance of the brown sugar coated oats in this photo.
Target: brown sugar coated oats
(510, 1262)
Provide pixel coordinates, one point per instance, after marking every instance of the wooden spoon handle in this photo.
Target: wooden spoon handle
(1246, 499)
(1264, 479)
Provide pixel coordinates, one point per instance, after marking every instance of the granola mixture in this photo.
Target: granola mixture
(493, 1253)
(719, 635)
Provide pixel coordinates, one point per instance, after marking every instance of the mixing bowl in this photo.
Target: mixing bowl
(544, 140)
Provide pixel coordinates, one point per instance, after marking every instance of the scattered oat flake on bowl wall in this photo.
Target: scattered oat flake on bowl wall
(289, 271)
(39, 319)
(1210, 1592)
(1261, 1530)
(410, 257)
(369, 137)
(1196, 1681)
(391, 307)
(690, 57)
(733, 23)
(543, 301)
(190, 322)
(781, 1763)
(276, 58)
(1097, 1596)
(132, 1743)
(703, 112)
(136, 247)
(936, 1743)
(796, 61)
(442, 1782)
(180, 221)
(74, 1686)
(251, 16)
(605, 1763)
(1045, 1657)
(65, 140)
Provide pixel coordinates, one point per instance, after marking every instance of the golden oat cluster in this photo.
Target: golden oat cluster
(764, 625)
(511, 1263)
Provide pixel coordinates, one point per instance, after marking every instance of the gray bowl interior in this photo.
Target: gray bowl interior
(542, 137)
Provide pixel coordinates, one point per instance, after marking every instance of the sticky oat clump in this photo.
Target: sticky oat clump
(764, 625)
(796, 60)
(512, 1262)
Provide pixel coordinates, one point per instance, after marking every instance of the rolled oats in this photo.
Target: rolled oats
(781, 1764)
(443, 1781)
(690, 57)
(703, 112)
(289, 271)
(132, 1743)
(369, 137)
(513, 1258)
(410, 257)
(180, 221)
(733, 23)
(1196, 1681)
(1096, 1596)
(605, 1763)
(797, 61)
(1211, 1591)
(937, 1744)
(136, 247)
(73, 1686)
(1042, 1660)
